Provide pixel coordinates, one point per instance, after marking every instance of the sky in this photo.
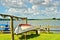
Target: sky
(32, 9)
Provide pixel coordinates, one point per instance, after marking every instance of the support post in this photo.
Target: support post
(11, 26)
(25, 36)
(26, 20)
(48, 30)
(36, 32)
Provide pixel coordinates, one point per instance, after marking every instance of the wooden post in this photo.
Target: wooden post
(26, 20)
(36, 32)
(11, 26)
(48, 30)
(25, 36)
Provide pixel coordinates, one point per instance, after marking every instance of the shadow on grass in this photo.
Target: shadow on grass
(29, 36)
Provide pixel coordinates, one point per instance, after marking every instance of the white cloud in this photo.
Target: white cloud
(22, 3)
(46, 0)
(46, 3)
(12, 10)
(14, 3)
(34, 7)
(51, 9)
(36, 13)
(49, 12)
(36, 2)
(20, 8)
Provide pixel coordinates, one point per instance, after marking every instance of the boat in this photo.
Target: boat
(4, 27)
(22, 28)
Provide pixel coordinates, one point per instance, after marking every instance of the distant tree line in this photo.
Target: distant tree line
(56, 18)
(5, 19)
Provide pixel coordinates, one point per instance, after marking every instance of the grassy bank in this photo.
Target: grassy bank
(32, 37)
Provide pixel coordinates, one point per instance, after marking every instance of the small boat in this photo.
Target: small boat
(4, 27)
(22, 28)
(25, 26)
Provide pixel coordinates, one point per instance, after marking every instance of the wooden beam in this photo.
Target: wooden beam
(11, 26)
(12, 16)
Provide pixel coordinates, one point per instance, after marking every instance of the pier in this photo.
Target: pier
(48, 27)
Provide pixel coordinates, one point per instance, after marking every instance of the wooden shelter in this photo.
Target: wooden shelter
(11, 22)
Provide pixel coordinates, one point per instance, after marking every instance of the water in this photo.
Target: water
(37, 23)
(45, 22)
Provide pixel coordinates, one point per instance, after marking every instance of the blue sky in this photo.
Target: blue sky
(32, 9)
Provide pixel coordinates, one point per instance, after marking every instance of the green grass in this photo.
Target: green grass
(32, 37)
(7, 37)
(47, 37)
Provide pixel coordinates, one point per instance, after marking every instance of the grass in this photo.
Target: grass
(32, 37)
(47, 37)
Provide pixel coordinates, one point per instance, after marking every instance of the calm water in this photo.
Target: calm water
(37, 23)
